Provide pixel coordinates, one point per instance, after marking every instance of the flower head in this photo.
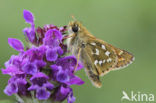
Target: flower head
(41, 69)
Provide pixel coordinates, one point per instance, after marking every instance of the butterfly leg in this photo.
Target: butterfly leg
(78, 57)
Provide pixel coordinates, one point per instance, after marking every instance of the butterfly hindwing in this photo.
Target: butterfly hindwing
(90, 68)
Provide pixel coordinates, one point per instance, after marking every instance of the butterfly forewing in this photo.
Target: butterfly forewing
(124, 58)
(107, 57)
(103, 56)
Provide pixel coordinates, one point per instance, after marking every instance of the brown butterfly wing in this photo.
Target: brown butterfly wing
(102, 55)
(107, 57)
(90, 68)
(124, 59)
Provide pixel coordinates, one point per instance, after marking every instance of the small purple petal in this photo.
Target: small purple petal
(71, 98)
(10, 89)
(35, 53)
(48, 85)
(51, 54)
(62, 93)
(80, 66)
(59, 51)
(75, 81)
(42, 94)
(11, 70)
(67, 62)
(14, 61)
(33, 87)
(62, 76)
(53, 33)
(30, 34)
(40, 63)
(16, 44)
(28, 16)
(57, 34)
(50, 41)
(39, 79)
(64, 90)
(42, 50)
(39, 75)
(55, 68)
(21, 83)
(30, 68)
(7, 63)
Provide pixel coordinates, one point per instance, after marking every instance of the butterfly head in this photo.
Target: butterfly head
(74, 27)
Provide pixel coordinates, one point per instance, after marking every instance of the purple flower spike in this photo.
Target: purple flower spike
(42, 70)
(28, 16)
(16, 44)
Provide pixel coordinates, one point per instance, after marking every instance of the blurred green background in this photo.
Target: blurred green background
(127, 24)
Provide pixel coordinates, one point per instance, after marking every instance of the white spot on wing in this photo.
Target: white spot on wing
(93, 43)
(97, 52)
(103, 47)
(100, 62)
(109, 60)
(104, 61)
(95, 62)
(107, 53)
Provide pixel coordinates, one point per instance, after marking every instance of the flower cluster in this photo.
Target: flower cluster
(42, 69)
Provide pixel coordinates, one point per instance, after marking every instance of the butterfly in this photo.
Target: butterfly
(97, 56)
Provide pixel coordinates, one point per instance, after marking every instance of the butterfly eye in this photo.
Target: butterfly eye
(75, 29)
